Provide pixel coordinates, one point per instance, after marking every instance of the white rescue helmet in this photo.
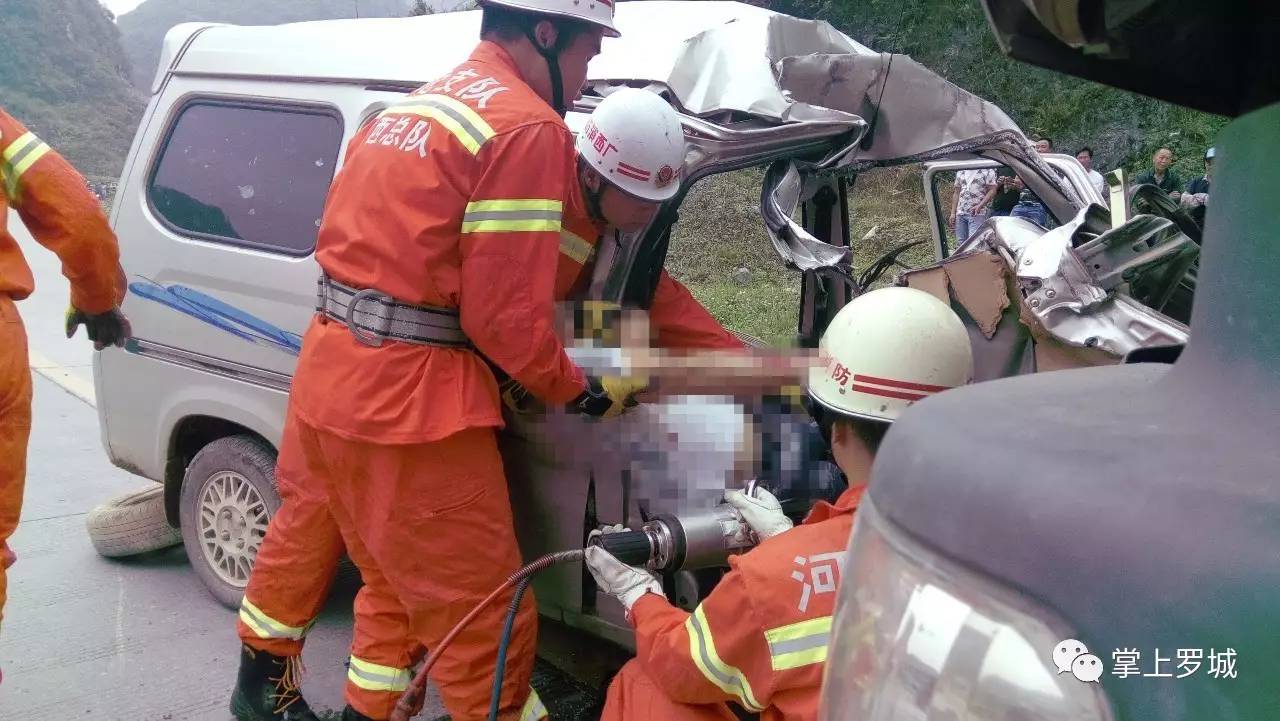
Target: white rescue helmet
(635, 141)
(594, 12)
(887, 349)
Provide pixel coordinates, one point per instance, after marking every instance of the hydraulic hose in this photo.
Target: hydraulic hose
(500, 670)
(409, 702)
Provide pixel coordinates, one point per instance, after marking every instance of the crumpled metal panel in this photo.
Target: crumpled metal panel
(1063, 294)
(783, 190)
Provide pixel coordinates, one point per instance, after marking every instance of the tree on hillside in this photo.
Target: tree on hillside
(420, 7)
(65, 77)
(954, 40)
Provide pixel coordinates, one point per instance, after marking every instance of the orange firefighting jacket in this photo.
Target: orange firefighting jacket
(760, 638)
(677, 320)
(51, 198)
(452, 197)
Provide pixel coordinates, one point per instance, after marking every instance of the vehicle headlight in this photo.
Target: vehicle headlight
(918, 637)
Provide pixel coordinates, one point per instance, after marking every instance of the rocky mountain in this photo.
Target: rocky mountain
(142, 30)
(63, 74)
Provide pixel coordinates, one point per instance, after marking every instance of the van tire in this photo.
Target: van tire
(131, 524)
(233, 481)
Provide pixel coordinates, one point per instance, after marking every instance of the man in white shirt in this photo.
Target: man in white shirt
(1085, 156)
(974, 190)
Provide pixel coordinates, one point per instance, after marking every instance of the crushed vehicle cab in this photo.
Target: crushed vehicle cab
(224, 187)
(1097, 543)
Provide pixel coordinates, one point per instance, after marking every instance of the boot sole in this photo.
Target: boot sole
(243, 711)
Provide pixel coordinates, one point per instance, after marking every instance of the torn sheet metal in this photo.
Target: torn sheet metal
(782, 192)
(978, 283)
(932, 281)
(1063, 298)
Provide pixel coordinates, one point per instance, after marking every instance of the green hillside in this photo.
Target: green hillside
(63, 74)
(952, 38)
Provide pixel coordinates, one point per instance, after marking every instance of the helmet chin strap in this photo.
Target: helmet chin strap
(592, 196)
(552, 56)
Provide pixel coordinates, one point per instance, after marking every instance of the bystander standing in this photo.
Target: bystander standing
(970, 202)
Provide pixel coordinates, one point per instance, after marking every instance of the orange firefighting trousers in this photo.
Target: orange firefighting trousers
(15, 425)
(295, 565)
(634, 696)
(429, 526)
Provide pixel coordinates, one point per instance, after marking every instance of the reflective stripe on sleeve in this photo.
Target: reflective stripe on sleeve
(575, 247)
(376, 677)
(267, 627)
(533, 708)
(460, 120)
(725, 677)
(799, 644)
(532, 215)
(18, 157)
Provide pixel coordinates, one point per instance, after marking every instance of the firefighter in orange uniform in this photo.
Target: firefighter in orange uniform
(759, 640)
(438, 245)
(297, 560)
(56, 206)
(630, 161)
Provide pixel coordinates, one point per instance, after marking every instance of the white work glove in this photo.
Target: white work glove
(763, 512)
(623, 582)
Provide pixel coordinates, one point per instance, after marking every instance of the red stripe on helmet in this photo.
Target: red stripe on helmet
(606, 3)
(633, 172)
(900, 384)
(885, 392)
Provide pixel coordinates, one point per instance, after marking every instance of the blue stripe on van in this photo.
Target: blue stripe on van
(218, 314)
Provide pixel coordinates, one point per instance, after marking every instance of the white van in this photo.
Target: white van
(222, 194)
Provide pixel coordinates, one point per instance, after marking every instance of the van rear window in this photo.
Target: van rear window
(247, 174)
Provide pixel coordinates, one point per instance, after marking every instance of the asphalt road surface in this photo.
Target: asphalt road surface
(87, 637)
(140, 639)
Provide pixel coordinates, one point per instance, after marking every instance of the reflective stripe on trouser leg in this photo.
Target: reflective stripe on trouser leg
(533, 707)
(297, 561)
(414, 548)
(376, 677)
(15, 424)
(265, 626)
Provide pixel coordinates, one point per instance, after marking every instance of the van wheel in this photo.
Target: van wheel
(131, 524)
(228, 497)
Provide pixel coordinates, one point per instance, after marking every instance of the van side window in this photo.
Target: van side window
(247, 174)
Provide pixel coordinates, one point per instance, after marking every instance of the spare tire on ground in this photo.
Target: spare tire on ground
(131, 524)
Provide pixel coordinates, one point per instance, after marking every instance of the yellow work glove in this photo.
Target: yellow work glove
(519, 399)
(609, 396)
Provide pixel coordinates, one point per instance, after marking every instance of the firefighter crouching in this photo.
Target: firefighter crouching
(759, 640)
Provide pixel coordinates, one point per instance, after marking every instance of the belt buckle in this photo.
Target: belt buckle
(371, 339)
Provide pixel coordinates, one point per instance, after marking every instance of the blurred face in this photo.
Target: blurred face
(850, 453)
(1044, 146)
(1162, 159)
(620, 210)
(1208, 166)
(1085, 159)
(626, 212)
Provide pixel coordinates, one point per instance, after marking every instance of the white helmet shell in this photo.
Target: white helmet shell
(887, 349)
(635, 141)
(594, 12)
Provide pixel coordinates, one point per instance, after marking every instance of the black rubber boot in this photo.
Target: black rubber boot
(269, 688)
(350, 714)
